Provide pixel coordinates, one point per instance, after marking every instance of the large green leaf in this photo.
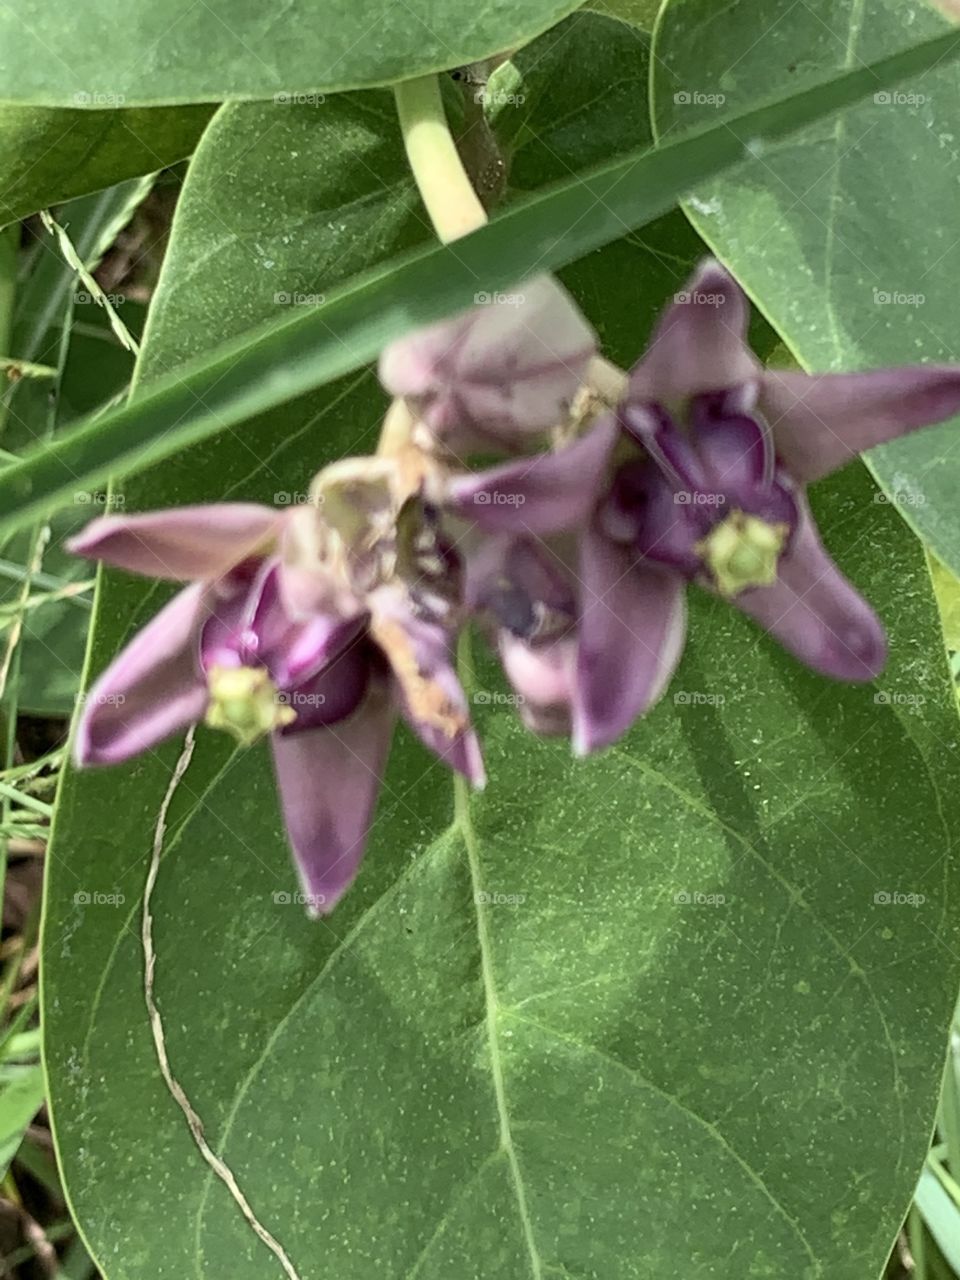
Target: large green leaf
(48, 156)
(139, 53)
(843, 235)
(613, 1019)
(261, 370)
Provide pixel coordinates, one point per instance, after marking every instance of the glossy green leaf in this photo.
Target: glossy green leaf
(839, 235)
(611, 1019)
(21, 1097)
(138, 53)
(49, 156)
(259, 371)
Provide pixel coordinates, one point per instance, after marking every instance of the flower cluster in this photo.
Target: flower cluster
(319, 625)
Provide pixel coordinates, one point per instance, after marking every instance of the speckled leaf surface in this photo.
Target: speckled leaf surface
(645, 1015)
(48, 155)
(844, 235)
(135, 53)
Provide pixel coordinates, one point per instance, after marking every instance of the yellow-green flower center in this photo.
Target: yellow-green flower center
(742, 551)
(244, 701)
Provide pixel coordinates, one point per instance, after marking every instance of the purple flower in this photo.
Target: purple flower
(496, 376)
(700, 476)
(325, 684)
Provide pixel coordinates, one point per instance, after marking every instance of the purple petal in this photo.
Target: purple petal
(152, 690)
(541, 495)
(699, 344)
(814, 611)
(328, 780)
(821, 421)
(432, 700)
(501, 371)
(182, 544)
(632, 629)
(543, 677)
(736, 451)
(335, 692)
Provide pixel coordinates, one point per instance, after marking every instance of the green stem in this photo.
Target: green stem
(9, 255)
(453, 205)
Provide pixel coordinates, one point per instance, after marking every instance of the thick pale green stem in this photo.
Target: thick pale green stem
(453, 205)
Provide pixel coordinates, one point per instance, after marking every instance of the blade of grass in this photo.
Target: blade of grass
(286, 359)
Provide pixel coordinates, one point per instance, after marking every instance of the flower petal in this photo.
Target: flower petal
(183, 543)
(821, 421)
(507, 368)
(815, 613)
(541, 495)
(152, 690)
(328, 780)
(543, 676)
(432, 700)
(700, 343)
(632, 628)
